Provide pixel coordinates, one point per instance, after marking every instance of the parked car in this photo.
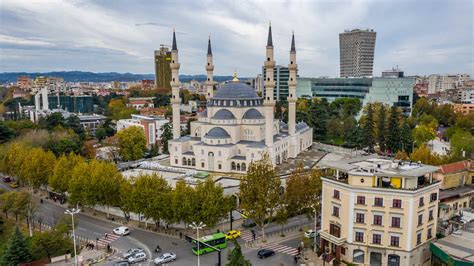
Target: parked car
(164, 258)
(310, 233)
(132, 252)
(122, 263)
(232, 234)
(141, 256)
(265, 253)
(6, 179)
(13, 184)
(121, 231)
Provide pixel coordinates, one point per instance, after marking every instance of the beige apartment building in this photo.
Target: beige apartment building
(378, 211)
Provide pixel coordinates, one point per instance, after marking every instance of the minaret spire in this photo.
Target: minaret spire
(209, 50)
(209, 70)
(270, 40)
(292, 83)
(293, 49)
(174, 47)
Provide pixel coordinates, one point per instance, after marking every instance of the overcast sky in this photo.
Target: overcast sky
(421, 37)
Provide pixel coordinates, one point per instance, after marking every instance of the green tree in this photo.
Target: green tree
(166, 136)
(37, 167)
(132, 143)
(393, 131)
(317, 117)
(182, 203)
(423, 154)
(423, 134)
(368, 128)
(422, 106)
(235, 256)
(53, 121)
(107, 183)
(406, 138)
(51, 243)
(209, 203)
(281, 217)
(6, 133)
(17, 251)
(462, 143)
(381, 130)
(260, 192)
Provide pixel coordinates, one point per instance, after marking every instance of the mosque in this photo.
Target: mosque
(238, 126)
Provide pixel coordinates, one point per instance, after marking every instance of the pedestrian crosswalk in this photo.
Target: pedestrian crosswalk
(283, 249)
(247, 235)
(103, 241)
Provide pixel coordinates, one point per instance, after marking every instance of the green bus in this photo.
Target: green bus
(216, 240)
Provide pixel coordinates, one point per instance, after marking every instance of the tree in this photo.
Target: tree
(393, 131)
(406, 138)
(401, 155)
(166, 136)
(236, 257)
(53, 121)
(281, 218)
(260, 192)
(107, 183)
(37, 167)
(131, 143)
(6, 133)
(17, 251)
(73, 122)
(381, 130)
(423, 134)
(182, 203)
(209, 203)
(368, 129)
(51, 243)
(423, 154)
(317, 117)
(462, 143)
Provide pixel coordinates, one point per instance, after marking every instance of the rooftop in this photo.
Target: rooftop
(456, 192)
(459, 245)
(453, 167)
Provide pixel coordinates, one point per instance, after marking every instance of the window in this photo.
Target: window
(464, 204)
(361, 200)
(429, 234)
(397, 203)
(335, 211)
(334, 230)
(358, 256)
(359, 237)
(393, 260)
(394, 241)
(377, 219)
(336, 194)
(360, 218)
(220, 166)
(377, 238)
(418, 238)
(433, 197)
(420, 219)
(378, 202)
(422, 202)
(396, 222)
(202, 164)
(430, 215)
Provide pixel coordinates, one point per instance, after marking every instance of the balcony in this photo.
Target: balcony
(333, 239)
(384, 182)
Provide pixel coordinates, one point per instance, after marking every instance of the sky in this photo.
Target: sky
(421, 36)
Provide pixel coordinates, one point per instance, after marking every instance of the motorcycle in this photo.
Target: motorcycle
(157, 249)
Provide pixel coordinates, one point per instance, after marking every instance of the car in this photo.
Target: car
(6, 179)
(164, 258)
(265, 253)
(131, 252)
(121, 231)
(140, 256)
(13, 184)
(310, 234)
(232, 234)
(122, 263)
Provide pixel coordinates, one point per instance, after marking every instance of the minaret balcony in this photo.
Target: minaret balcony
(175, 65)
(175, 83)
(269, 64)
(269, 84)
(292, 66)
(209, 67)
(292, 83)
(175, 101)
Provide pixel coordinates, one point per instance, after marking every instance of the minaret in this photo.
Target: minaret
(175, 100)
(209, 70)
(269, 102)
(293, 68)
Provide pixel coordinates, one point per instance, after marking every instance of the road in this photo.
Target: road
(92, 228)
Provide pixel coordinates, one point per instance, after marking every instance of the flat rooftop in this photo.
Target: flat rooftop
(456, 192)
(460, 246)
(380, 165)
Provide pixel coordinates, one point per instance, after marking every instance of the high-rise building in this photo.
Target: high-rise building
(357, 52)
(162, 68)
(378, 211)
(280, 76)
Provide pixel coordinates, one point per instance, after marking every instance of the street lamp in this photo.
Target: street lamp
(72, 212)
(197, 227)
(315, 219)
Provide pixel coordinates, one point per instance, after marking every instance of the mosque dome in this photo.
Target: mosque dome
(236, 91)
(217, 133)
(252, 114)
(223, 114)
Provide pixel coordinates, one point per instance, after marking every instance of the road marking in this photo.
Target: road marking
(247, 235)
(105, 241)
(283, 249)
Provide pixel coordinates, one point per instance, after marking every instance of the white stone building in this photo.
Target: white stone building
(238, 125)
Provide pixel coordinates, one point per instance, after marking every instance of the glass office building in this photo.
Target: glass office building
(392, 91)
(333, 88)
(75, 104)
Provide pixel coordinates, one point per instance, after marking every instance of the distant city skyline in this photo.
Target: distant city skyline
(421, 37)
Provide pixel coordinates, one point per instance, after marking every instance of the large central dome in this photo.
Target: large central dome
(235, 91)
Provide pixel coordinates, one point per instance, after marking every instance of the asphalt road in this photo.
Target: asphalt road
(92, 228)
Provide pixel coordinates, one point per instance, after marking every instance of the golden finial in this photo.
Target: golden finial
(235, 79)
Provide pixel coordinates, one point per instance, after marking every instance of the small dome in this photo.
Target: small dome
(252, 114)
(217, 133)
(223, 114)
(235, 90)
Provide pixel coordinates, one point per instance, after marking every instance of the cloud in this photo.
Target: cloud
(422, 37)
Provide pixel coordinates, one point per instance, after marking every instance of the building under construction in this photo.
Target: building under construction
(162, 68)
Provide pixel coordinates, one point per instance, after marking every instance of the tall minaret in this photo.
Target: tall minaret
(209, 70)
(175, 100)
(293, 68)
(269, 102)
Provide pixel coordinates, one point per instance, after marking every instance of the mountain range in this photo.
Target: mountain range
(83, 76)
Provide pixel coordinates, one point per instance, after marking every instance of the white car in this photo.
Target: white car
(131, 252)
(141, 256)
(164, 258)
(310, 234)
(121, 231)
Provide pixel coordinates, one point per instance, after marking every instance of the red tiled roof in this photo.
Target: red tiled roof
(453, 167)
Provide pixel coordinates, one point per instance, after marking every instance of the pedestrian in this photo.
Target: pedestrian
(106, 235)
(92, 246)
(295, 259)
(180, 234)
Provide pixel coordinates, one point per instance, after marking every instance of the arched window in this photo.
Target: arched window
(358, 256)
(393, 260)
(244, 167)
(375, 259)
(193, 162)
(233, 165)
(189, 161)
(184, 161)
(238, 167)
